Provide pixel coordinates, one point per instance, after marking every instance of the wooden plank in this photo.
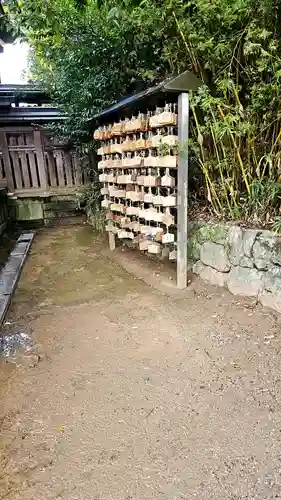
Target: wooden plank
(51, 167)
(32, 162)
(60, 170)
(20, 148)
(16, 130)
(24, 164)
(6, 161)
(29, 140)
(16, 163)
(41, 193)
(78, 181)
(41, 163)
(68, 168)
(2, 175)
(183, 123)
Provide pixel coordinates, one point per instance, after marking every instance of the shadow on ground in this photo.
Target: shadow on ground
(67, 266)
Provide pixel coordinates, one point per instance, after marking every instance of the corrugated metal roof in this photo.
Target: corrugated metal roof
(22, 93)
(13, 95)
(30, 115)
(184, 82)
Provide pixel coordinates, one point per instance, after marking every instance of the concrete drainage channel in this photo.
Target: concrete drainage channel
(10, 273)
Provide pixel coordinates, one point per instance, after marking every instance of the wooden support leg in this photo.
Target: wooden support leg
(111, 237)
(183, 119)
(41, 162)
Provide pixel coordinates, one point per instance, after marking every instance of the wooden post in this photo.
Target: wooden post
(7, 161)
(39, 148)
(183, 119)
(111, 237)
(51, 167)
(32, 164)
(24, 166)
(77, 170)
(60, 170)
(15, 162)
(68, 168)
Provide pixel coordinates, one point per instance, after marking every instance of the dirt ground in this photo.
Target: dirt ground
(139, 392)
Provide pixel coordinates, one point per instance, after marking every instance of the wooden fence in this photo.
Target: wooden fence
(3, 212)
(32, 165)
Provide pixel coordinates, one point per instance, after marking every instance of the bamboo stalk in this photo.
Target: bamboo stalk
(194, 61)
(238, 154)
(220, 170)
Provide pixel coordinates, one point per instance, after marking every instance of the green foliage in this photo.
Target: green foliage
(7, 34)
(264, 194)
(276, 226)
(89, 53)
(86, 58)
(89, 200)
(236, 132)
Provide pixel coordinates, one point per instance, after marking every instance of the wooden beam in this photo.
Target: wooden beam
(7, 160)
(51, 168)
(183, 119)
(41, 193)
(39, 147)
(78, 178)
(16, 130)
(59, 161)
(15, 163)
(21, 148)
(32, 163)
(68, 168)
(24, 165)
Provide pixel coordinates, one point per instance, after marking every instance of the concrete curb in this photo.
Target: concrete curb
(11, 272)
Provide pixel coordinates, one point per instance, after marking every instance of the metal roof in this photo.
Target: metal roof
(11, 96)
(184, 82)
(30, 115)
(14, 94)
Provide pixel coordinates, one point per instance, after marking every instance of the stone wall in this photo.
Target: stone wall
(246, 261)
(52, 210)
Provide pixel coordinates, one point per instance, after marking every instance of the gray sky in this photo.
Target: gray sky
(13, 62)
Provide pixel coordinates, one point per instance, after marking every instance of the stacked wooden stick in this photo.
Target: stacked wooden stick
(138, 170)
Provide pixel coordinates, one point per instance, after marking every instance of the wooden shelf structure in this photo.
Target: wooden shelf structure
(176, 91)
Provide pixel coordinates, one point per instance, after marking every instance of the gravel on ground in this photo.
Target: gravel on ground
(134, 393)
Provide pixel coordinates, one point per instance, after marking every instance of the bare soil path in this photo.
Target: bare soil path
(139, 394)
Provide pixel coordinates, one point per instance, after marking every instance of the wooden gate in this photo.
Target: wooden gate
(32, 165)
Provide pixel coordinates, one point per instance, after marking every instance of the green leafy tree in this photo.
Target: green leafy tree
(89, 53)
(86, 55)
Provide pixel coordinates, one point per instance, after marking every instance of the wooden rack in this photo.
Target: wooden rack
(143, 169)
